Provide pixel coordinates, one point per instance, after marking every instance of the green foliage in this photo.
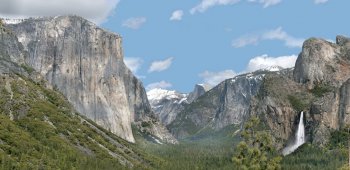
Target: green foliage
(27, 68)
(145, 124)
(45, 133)
(212, 151)
(320, 90)
(296, 103)
(256, 150)
(310, 157)
(339, 139)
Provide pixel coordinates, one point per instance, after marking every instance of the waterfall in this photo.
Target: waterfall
(299, 137)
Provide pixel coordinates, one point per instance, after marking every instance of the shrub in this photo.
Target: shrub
(320, 90)
(296, 103)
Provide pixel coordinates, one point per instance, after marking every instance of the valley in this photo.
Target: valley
(68, 101)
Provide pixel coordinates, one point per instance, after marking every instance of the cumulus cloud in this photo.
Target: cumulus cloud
(254, 64)
(264, 61)
(176, 15)
(160, 65)
(214, 78)
(266, 3)
(320, 1)
(134, 23)
(206, 4)
(133, 64)
(162, 85)
(276, 34)
(94, 10)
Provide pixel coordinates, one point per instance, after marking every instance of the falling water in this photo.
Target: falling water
(299, 137)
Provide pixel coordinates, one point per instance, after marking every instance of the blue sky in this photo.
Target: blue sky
(213, 39)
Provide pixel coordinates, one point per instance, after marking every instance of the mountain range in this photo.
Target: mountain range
(64, 82)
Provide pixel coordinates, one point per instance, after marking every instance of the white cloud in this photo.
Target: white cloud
(133, 64)
(205, 4)
(177, 15)
(214, 78)
(160, 65)
(134, 23)
(245, 40)
(276, 34)
(94, 10)
(267, 3)
(264, 61)
(162, 85)
(254, 64)
(320, 1)
(279, 34)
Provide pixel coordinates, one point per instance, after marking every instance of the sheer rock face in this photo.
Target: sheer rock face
(11, 52)
(199, 90)
(323, 62)
(226, 104)
(85, 63)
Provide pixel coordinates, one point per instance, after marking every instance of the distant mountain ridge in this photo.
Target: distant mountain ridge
(168, 103)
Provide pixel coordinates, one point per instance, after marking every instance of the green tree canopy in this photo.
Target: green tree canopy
(256, 150)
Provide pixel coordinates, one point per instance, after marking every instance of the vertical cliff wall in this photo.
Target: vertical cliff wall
(85, 63)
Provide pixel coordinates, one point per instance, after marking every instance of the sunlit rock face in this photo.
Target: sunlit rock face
(85, 63)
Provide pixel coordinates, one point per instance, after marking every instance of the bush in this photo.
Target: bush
(27, 68)
(339, 139)
(320, 90)
(296, 103)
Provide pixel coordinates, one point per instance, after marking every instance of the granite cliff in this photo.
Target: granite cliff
(85, 63)
(318, 85)
(40, 129)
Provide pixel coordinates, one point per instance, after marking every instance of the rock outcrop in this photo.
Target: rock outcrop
(323, 62)
(325, 65)
(85, 63)
(199, 90)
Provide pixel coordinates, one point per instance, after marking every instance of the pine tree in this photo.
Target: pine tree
(256, 150)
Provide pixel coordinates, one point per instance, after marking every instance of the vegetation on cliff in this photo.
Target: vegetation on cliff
(40, 130)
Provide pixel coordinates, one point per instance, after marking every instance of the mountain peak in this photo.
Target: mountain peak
(158, 94)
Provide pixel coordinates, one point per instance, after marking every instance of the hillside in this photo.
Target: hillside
(40, 129)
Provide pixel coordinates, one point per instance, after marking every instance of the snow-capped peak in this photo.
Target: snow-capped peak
(159, 94)
(273, 68)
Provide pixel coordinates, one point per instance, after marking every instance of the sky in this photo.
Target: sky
(177, 44)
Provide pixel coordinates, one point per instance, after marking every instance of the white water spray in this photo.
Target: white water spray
(299, 137)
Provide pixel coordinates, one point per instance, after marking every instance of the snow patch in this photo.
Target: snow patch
(12, 21)
(157, 94)
(183, 99)
(156, 140)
